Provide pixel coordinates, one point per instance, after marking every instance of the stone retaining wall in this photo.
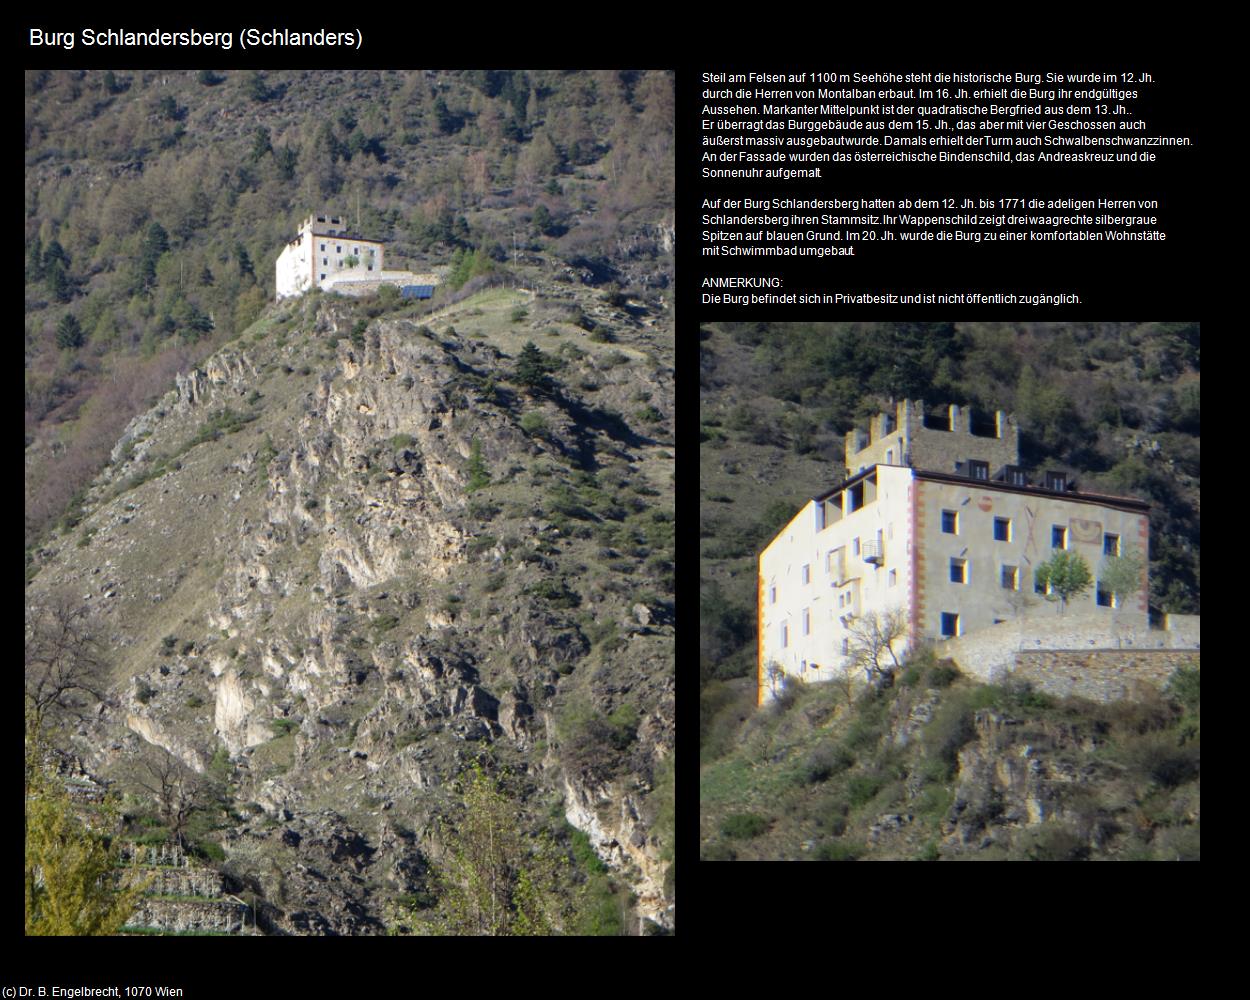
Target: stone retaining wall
(1101, 675)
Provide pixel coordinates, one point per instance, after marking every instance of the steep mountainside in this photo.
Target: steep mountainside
(363, 547)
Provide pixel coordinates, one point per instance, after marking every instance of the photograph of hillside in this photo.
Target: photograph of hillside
(950, 592)
(349, 515)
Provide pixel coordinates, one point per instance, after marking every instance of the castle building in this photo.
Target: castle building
(324, 255)
(936, 522)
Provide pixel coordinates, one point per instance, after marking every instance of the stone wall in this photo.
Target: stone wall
(1101, 675)
(172, 915)
(990, 653)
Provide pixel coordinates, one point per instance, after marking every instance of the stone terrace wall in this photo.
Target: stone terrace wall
(1101, 675)
(990, 653)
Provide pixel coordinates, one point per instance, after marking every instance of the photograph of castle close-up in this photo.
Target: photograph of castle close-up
(950, 594)
(349, 502)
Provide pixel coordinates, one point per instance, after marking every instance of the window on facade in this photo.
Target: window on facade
(323, 246)
(1002, 529)
(1010, 578)
(785, 634)
(772, 595)
(893, 577)
(807, 573)
(855, 547)
(1110, 544)
(1039, 588)
(950, 522)
(979, 470)
(338, 249)
(1017, 477)
(950, 624)
(1104, 597)
(889, 456)
(324, 261)
(1058, 537)
(1057, 481)
(323, 277)
(958, 570)
(846, 646)
(807, 622)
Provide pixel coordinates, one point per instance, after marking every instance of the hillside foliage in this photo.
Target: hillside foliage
(156, 203)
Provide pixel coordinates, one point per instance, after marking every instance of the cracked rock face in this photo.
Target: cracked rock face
(305, 588)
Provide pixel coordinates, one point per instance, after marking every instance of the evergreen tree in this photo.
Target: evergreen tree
(245, 262)
(57, 282)
(531, 369)
(34, 260)
(260, 144)
(69, 333)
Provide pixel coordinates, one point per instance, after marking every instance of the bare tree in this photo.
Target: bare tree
(872, 638)
(66, 669)
(174, 786)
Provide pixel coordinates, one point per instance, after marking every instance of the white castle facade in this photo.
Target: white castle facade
(937, 522)
(324, 255)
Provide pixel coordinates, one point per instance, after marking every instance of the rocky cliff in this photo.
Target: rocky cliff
(352, 554)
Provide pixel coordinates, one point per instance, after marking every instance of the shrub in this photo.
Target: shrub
(826, 761)
(744, 826)
(953, 724)
(863, 787)
(534, 423)
(1053, 842)
(283, 727)
(1183, 687)
(1159, 758)
(942, 675)
(838, 850)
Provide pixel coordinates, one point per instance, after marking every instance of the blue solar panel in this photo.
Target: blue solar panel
(416, 291)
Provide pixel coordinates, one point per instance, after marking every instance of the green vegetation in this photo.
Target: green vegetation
(494, 880)
(1065, 573)
(69, 865)
(924, 771)
(478, 476)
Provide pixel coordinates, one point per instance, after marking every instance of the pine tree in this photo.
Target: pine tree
(531, 369)
(69, 333)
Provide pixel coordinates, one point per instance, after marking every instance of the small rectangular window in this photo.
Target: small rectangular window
(1002, 529)
(1058, 537)
(1104, 597)
(855, 547)
(979, 470)
(338, 249)
(950, 624)
(893, 577)
(807, 573)
(1057, 481)
(323, 246)
(785, 634)
(958, 569)
(846, 646)
(1010, 578)
(950, 522)
(807, 622)
(324, 261)
(1110, 544)
(323, 277)
(772, 595)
